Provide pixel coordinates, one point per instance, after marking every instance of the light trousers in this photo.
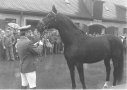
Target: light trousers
(29, 79)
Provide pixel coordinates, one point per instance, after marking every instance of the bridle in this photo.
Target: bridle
(45, 25)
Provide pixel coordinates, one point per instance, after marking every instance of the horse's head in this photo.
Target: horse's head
(50, 20)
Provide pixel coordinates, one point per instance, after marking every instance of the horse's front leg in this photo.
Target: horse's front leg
(71, 67)
(81, 74)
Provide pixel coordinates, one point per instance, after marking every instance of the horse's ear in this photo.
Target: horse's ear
(54, 9)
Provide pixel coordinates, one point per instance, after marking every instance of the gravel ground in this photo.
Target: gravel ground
(53, 73)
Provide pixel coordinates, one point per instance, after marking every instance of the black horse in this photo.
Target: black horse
(80, 48)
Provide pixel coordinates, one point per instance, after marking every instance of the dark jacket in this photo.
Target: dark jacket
(27, 53)
(9, 41)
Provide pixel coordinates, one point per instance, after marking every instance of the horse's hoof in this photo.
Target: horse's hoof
(106, 86)
(112, 86)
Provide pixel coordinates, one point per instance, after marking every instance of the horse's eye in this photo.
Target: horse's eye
(49, 15)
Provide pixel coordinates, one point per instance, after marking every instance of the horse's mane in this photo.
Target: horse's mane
(69, 21)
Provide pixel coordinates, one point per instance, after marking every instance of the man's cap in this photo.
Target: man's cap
(25, 28)
(13, 25)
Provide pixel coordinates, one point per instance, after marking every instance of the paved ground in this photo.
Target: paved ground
(52, 73)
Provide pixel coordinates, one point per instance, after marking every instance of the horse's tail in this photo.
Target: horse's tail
(120, 67)
(118, 53)
(125, 46)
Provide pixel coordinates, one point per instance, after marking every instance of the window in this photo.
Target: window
(2, 24)
(124, 30)
(112, 30)
(33, 23)
(10, 20)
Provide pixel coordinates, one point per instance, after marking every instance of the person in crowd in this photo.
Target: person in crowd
(124, 41)
(61, 48)
(2, 35)
(2, 50)
(55, 49)
(8, 42)
(28, 53)
(36, 35)
(13, 27)
(30, 35)
(16, 36)
(48, 45)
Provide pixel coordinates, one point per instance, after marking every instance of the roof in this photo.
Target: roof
(118, 2)
(114, 11)
(74, 7)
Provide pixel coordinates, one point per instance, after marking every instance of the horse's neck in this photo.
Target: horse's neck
(68, 33)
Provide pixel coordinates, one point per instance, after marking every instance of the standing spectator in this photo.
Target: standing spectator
(8, 43)
(14, 29)
(48, 45)
(2, 50)
(30, 35)
(55, 49)
(36, 35)
(61, 48)
(27, 51)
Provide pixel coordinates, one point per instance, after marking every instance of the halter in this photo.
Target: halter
(45, 26)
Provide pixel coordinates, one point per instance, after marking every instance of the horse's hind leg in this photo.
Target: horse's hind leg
(71, 67)
(118, 65)
(115, 71)
(108, 69)
(81, 74)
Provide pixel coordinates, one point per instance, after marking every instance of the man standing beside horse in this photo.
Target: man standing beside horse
(28, 52)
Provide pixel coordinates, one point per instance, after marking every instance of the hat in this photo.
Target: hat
(13, 25)
(25, 28)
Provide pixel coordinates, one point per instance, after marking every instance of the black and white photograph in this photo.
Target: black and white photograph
(63, 44)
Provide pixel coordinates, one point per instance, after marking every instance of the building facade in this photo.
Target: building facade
(82, 12)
